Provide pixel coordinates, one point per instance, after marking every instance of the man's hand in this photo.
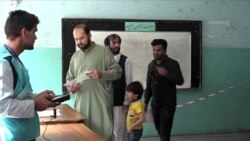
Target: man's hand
(43, 100)
(73, 87)
(95, 74)
(162, 71)
(125, 108)
(129, 130)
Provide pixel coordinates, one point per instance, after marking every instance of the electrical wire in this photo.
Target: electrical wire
(46, 129)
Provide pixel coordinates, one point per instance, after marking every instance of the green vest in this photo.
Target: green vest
(18, 129)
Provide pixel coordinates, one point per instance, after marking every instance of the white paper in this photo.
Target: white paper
(48, 113)
(79, 79)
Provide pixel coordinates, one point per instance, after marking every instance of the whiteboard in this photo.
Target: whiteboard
(137, 46)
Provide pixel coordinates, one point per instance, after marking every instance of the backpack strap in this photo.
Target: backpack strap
(9, 58)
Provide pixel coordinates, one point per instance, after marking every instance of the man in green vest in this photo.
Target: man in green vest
(19, 120)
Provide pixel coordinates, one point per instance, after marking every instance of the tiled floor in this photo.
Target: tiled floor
(242, 136)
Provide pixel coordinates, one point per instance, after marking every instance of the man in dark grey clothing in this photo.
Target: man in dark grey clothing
(163, 75)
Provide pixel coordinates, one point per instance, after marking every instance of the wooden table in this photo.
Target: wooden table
(68, 115)
(67, 132)
(66, 127)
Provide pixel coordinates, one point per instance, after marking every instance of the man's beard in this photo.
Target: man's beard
(29, 46)
(115, 51)
(84, 46)
(159, 57)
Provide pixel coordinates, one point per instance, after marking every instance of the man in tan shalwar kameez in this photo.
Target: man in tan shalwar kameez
(91, 72)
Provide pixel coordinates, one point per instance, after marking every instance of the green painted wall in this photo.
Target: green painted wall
(228, 111)
(45, 68)
(225, 54)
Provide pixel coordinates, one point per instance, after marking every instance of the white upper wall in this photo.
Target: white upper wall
(225, 22)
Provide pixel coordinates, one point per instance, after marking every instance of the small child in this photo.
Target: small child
(135, 116)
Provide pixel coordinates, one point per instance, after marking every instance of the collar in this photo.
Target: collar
(117, 57)
(136, 101)
(92, 45)
(12, 52)
(163, 60)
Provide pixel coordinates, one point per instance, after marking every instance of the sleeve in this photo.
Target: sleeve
(148, 91)
(175, 74)
(112, 70)
(128, 77)
(10, 105)
(70, 73)
(140, 108)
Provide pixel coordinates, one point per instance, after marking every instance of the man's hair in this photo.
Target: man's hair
(135, 87)
(162, 42)
(84, 27)
(110, 37)
(17, 20)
